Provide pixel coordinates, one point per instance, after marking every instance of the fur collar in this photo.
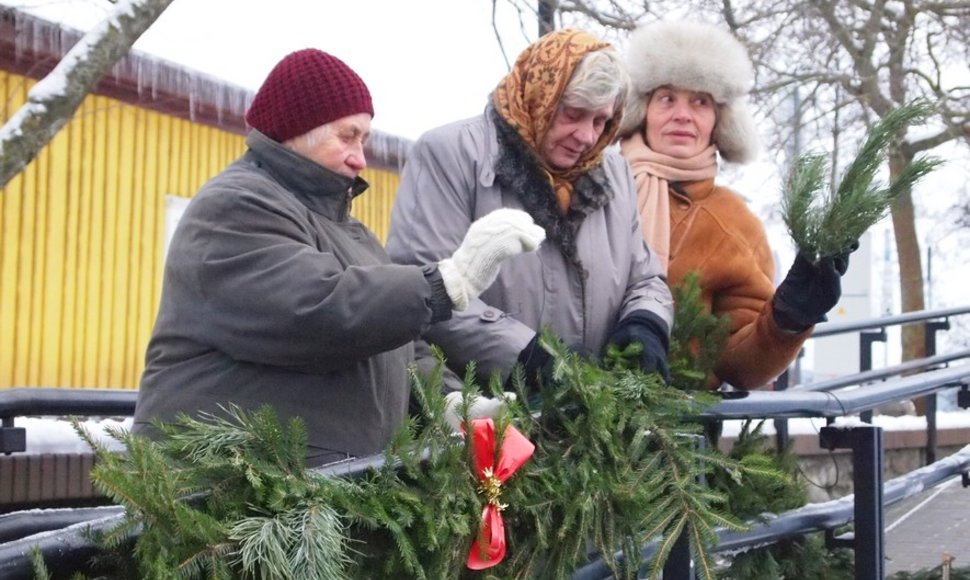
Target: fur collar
(518, 171)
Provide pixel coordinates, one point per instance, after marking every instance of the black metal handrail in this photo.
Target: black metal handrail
(805, 403)
(883, 373)
(832, 328)
(17, 525)
(23, 401)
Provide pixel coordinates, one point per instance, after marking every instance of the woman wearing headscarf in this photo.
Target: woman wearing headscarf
(688, 108)
(540, 146)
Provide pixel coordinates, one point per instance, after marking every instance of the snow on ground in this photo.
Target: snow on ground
(55, 435)
(811, 426)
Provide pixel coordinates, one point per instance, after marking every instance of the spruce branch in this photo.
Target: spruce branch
(252, 470)
(696, 338)
(827, 224)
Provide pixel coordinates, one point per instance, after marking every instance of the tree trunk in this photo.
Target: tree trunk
(547, 16)
(910, 265)
(52, 102)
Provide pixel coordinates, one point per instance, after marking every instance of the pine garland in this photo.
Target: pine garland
(616, 465)
(622, 468)
(825, 224)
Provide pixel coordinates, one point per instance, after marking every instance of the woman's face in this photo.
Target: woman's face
(680, 122)
(574, 131)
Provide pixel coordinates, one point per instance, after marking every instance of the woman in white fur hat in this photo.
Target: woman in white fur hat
(690, 82)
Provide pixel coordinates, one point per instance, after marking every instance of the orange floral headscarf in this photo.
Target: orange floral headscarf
(528, 99)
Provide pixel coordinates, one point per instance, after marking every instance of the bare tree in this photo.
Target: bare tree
(547, 16)
(53, 100)
(841, 65)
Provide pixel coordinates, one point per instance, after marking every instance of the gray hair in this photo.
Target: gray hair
(307, 141)
(599, 79)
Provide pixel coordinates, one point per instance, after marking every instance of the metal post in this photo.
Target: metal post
(867, 453)
(678, 566)
(932, 327)
(866, 340)
(781, 425)
(12, 439)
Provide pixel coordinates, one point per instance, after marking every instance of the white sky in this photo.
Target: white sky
(426, 62)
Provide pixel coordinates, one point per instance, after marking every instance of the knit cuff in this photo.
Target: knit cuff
(439, 302)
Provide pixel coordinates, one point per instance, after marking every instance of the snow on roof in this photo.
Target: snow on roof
(32, 47)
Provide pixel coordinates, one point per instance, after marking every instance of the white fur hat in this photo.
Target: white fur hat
(697, 57)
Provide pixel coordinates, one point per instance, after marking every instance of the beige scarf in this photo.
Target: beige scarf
(652, 171)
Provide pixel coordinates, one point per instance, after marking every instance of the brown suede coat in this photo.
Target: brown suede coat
(713, 232)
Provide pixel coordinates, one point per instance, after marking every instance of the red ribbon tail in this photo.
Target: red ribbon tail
(492, 536)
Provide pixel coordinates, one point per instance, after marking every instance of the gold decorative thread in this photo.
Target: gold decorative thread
(491, 487)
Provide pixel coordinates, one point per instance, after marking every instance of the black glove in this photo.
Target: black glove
(650, 331)
(536, 365)
(809, 291)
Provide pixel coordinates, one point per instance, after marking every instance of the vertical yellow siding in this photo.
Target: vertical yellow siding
(373, 207)
(83, 232)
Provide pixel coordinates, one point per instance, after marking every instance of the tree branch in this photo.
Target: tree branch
(52, 101)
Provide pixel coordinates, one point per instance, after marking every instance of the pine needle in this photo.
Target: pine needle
(827, 224)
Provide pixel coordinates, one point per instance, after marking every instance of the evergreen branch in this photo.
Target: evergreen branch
(916, 170)
(666, 544)
(805, 180)
(702, 558)
(41, 572)
(825, 224)
(858, 176)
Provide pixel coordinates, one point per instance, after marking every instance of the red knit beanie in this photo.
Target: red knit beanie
(306, 89)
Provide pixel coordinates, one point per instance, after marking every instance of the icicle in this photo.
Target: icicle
(387, 151)
(207, 98)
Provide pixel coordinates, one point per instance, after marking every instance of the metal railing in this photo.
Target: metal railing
(65, 549)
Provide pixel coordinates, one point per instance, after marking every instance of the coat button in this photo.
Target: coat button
(489, 315)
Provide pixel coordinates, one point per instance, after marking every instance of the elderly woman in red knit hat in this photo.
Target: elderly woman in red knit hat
(690, 82)
(274, 294)
(540, 146)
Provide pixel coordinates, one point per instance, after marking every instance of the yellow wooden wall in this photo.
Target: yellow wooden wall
(81, 244)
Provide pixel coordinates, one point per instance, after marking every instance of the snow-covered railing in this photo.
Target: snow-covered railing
(31, 401)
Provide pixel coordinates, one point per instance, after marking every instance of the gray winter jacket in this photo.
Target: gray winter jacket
(273, 294)
(592, 270)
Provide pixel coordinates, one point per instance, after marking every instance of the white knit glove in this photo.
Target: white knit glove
(491, 239)
(479, 408)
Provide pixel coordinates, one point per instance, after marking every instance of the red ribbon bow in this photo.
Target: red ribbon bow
(489, 547)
